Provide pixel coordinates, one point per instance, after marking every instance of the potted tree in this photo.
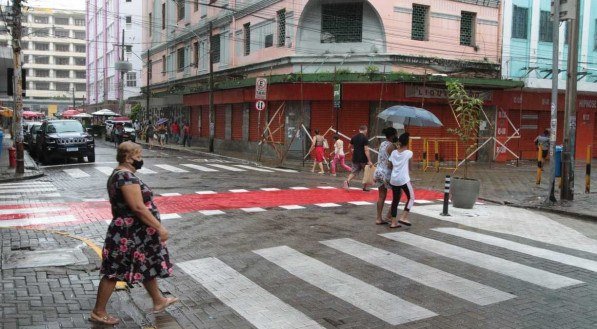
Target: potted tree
(465, 190)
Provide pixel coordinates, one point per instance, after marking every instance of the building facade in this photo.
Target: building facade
(53, 43)
(380, 53)
(527, 57)
(108, 21)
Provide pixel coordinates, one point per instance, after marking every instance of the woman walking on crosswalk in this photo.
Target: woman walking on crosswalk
(383, 173)
(400, 181)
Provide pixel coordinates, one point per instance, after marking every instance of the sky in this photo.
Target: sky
(67, 4)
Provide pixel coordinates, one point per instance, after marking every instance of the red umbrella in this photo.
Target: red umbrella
(31, 114)
(70, 113)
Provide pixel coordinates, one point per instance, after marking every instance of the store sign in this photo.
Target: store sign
(431, 92)
(587, 103)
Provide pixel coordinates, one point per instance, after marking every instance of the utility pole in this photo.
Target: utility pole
(74, 97)
(121, 105)
(555, 73)
(147, 87)
(571, 12)
(212, 113)
(18, 90)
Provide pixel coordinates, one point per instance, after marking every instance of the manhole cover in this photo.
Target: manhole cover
(44, 258)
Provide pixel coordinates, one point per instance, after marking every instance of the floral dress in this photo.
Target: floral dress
(382, 172)
(132, 250)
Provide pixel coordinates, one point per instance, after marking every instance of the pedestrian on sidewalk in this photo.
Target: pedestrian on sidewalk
(339, 156)
(162, 131)
(135, 245)
(317, 143)
(175, 130)
(360, 155)
(542, 141)
(186, 135)
(383, 173)
(150, 134)
(400, 181)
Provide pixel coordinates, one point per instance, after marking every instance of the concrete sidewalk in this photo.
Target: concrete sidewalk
(8, 174)
(503, 183)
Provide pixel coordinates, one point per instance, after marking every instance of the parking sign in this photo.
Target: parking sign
(261, 88)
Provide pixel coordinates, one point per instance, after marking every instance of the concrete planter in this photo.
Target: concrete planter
(464, 192)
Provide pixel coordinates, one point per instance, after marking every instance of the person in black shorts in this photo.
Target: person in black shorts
(360, 155)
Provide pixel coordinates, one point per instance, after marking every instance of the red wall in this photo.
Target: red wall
(237, 121)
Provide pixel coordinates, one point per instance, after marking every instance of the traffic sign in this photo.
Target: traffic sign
(260, 105)
(261, 88)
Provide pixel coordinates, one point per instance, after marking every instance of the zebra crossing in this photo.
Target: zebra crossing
(29, 192)
(181, 168)
(252, 300)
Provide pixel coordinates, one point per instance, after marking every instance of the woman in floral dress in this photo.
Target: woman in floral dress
(382, 173)
(134, 249)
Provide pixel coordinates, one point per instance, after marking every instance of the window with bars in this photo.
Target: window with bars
(41, 59)
(467, 28)
(268, 41)
(80, 48)
(41, 46)
(281, 27)
(180, 9)
(247, 41)
(62, 86)
(61, 20)
(419, 26)
(180, 59)
(63, 74)
(342, 22)
(42, 73)
(79, 35)
(41, 19)
(131, 79)
(80, 87)
(61, 60)
(196, 5)
(214, 48)
(520, 17)
(62, 47)
(80, 22)
(61, 33)
(196, 54)
(42, 32)
(79, 61)
(80, 74)
(545, 27)
(42, 86)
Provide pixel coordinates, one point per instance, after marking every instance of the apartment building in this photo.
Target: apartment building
(107, 20)
(377, 53)
(53, 43)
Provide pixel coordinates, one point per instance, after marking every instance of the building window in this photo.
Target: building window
(203, 9)
(196, 5)
(61, 33)
(149, 69)
(62, 74)
(342, 22)
(566, 25)
(180, 9)
(41, 46)
(129, 48)
(62, 86)
(41, 59)
(281, 27)
(61, 60)
(131, 79)
(42, 86)
(214, 48)
(80, 87)
(164, 66)
(128, 19)
(520, 22)
(80, 74)
(467, 28)
(163, 16)
(180, 59)
(420, 22)
(62, 47)
(80, 48)
(80, 35)
(41, 32)
(545, 27)
(42, 73)
(41, 19)
(247, 44)
(61, 20)
(196, 54)
(79, 21)
(269, 41)
(79, 61)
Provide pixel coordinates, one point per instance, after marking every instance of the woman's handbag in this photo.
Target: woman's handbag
(369, 175)
(325, 144)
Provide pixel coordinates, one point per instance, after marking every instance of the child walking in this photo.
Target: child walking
(339, 156)
(400, 181)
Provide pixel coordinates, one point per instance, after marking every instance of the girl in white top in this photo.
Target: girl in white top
(400, 181)
(339, 155)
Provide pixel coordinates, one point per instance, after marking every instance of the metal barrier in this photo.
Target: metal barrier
(539, 165)
(427, 142)
(588, 170)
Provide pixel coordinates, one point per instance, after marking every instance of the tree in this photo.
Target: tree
(467, 110)
(136, 112)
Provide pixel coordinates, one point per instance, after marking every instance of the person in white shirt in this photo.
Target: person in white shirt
(339, 156)
(400, 181)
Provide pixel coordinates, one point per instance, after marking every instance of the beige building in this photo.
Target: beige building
(54, 49)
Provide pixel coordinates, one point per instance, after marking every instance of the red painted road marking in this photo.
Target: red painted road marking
(189, 203)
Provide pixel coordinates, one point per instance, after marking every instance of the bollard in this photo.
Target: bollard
(446, 196)
(436, 156)
(588, 171)
(425, 158)
(539, 165)
(12, 157)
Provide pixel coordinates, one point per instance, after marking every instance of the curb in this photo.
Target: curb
(27, 177)
(556, 211)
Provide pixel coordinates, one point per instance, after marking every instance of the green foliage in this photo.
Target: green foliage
(342, 71)
(372, 69)
(467, 110)
(136, 112)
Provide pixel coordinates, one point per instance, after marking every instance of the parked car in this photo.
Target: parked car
(64, 139)
(29, 136)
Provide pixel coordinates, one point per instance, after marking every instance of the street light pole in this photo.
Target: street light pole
(212, 113)
(555, 74)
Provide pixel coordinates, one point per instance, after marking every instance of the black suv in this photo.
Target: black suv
(64, 139)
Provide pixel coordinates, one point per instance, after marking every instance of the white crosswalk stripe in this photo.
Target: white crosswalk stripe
(37, 221)
(31, 210)
(254, 168)
(211, 212)
(25, 184)
(281, 169)
(28, 190)
(171, 168)
(587, 264)
(76, 173)
(239, 190)
(257, 305)
(360, 203)
(370, 299)
(253, 209)
(146, 171)
(225, 167)
(105, 170)
(292, 207)
(198, 167)
(468, 290)
(519, 271)
(327, 205)
(205, 192)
